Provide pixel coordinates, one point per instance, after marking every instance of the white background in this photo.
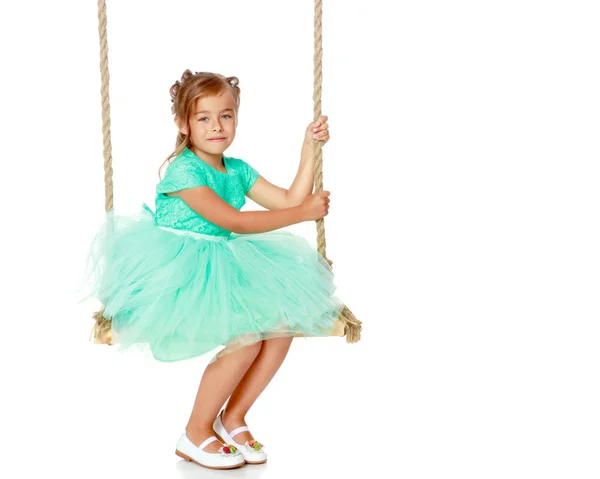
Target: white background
(464, 171)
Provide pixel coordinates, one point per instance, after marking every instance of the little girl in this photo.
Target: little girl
(199, 273)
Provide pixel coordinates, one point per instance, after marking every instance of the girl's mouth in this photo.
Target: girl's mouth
(216, 139)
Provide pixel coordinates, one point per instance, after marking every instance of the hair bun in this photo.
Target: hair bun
(233, 81)
(187, 74)
(174, 90)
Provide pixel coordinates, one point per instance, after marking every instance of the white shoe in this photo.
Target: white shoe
(227, 457)
(253, 451)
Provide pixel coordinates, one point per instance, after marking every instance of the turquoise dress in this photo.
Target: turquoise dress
(175, 283)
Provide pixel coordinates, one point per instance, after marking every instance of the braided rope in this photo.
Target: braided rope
(317, 92)
(102, 326)
(347, 322)
(104, 91)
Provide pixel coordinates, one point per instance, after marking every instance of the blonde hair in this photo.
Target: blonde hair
(186, 91)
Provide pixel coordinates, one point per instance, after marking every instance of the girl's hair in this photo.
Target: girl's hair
(186, 91)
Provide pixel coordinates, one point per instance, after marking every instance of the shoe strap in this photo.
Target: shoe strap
(236, 431)
(207, 442)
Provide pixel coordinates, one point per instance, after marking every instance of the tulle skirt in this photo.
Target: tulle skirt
(183, 294)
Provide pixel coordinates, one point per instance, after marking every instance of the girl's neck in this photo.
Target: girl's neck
(215, 161)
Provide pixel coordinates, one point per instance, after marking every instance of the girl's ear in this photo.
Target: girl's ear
(183, 128)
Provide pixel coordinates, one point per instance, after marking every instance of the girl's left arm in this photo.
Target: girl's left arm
(273, 197)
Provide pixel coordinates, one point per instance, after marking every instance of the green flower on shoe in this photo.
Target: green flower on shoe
(254, 445)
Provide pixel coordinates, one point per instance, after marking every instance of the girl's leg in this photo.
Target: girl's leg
(218, 381)
(256, 379)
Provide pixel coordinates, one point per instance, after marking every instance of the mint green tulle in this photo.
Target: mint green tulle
(184, 295)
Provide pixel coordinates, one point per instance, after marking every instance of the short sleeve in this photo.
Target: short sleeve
(249, 175)
(181, 175)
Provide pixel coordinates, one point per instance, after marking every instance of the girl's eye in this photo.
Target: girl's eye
(205, 118)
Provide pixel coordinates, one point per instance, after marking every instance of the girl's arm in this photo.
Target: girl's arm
(274, 197)
(204, 201)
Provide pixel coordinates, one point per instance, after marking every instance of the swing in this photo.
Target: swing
(347, 324)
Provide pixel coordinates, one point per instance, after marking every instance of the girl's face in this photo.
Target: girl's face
(213, 123)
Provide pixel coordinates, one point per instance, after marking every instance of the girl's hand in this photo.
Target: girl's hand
(315, 206)
(317, 130)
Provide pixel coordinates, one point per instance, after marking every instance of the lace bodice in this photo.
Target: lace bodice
(187, 171)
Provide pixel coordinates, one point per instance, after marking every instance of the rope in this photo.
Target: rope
(317, 146)
(351, 326)
(105, 77)
(102, 326)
